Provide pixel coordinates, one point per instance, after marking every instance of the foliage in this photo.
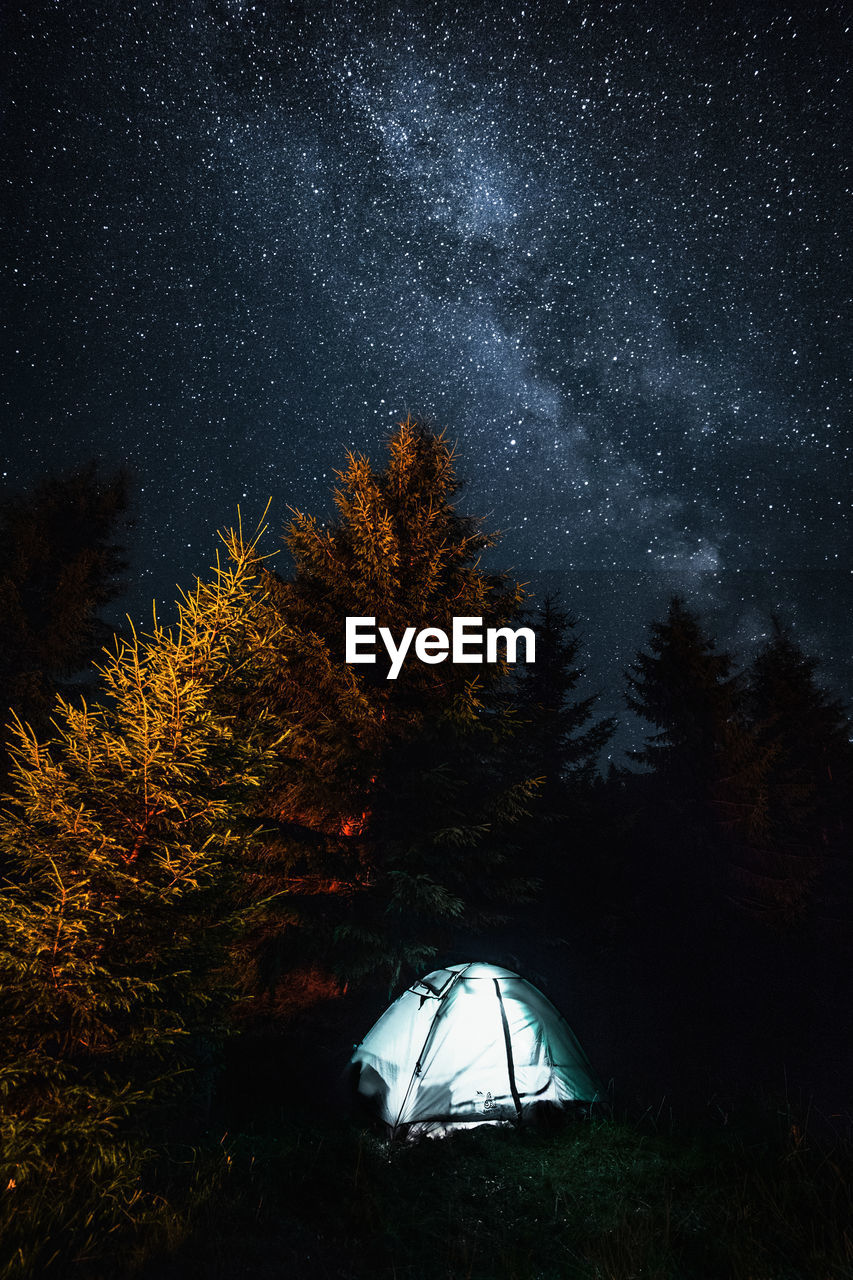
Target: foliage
(59, 564)
(122, 836)
(687, 690)
(805, 736)
(709, 767)
(758, 763)
(703, 800)
(594, 1201)
(561, 744)
(810, 735)
(392, 795)
(566, 838)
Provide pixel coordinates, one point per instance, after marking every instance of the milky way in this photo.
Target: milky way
(604, 245)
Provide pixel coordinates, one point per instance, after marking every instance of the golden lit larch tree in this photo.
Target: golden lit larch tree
(121, 840)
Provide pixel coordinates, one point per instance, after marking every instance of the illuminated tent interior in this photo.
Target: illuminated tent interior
(468, 1045)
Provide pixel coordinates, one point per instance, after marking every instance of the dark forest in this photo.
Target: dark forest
(225, 851)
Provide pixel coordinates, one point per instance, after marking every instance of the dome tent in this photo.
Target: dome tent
(468, 1045)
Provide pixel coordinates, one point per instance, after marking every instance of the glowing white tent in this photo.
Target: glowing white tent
(470, 1044)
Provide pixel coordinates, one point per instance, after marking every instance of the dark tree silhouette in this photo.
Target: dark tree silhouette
(805, 735)
(567, 839)
(709, 770)
(686, 688)
(809, 733)
(558, 740)
(60, 563)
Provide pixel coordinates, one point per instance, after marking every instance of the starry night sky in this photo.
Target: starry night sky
(605, 245)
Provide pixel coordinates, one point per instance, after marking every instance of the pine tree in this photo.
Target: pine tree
(709, 771)
(122, 837)
(558, 739)
(806, 737)
(392, 794)
(687, 690)
(559, 743)
(810, 733)
(59, 565)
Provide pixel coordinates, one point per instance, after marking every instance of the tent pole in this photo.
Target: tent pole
(510, 1066)
(417, 1071)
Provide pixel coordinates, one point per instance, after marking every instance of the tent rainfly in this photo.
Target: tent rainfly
(468, 1045)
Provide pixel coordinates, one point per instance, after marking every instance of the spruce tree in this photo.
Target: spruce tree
(810, 733)
(560, 744)
(708, 769)
(559, 741)
(806, 736)
(686, 689)
(60, 563)
(393, 794)
(122, 836)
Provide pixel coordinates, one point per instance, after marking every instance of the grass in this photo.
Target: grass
(599, 1200)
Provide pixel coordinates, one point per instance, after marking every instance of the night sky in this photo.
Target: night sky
(605, 245)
